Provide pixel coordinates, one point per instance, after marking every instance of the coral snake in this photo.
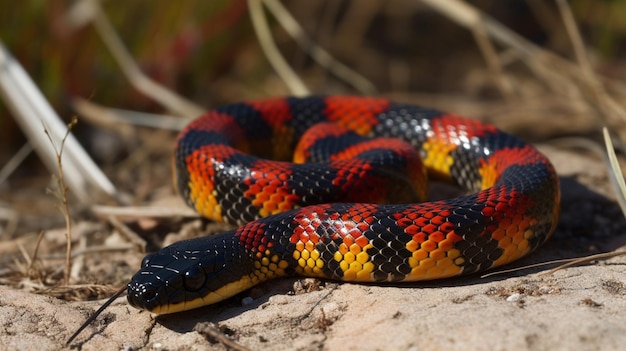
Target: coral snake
(324, 218)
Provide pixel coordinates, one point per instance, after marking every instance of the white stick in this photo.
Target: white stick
(33, 113)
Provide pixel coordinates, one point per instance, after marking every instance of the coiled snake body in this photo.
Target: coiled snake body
(320, 219)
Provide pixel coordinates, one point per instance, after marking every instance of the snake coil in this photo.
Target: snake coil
(321, 219)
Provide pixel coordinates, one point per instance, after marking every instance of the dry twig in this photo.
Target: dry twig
(616, 176)
(492, 59)
(539, 60)
(143, 211)
(128, 233)
(61, 194)
(118, 119)
(586, 259)
(33, 258)
(321, 56)
(604, 102)
(177, 104)
(15, 162)
(284, 71)
(212, 331)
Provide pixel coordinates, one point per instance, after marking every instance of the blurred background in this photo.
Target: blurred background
(209, 53)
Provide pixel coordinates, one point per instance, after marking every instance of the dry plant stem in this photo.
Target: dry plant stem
(491, 57)
(546, 16)
(284, 71)
(544, 63)
(118, 119)
(598, 93)
(102, 249)
(467, 16)
(34, 256)
(102, 117)
(82, 251)
(616, 176)
(128, 233)
(517, 269)
(144, 212)
(321, 56)
(587, 259)
(28, 259)
(64, 207)
(568, 262)
(541, 62)
(577, 42)
(15, 162)
(137, 78)
(78, 262)
(214, 332)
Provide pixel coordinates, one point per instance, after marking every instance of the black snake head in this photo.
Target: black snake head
(189, 274)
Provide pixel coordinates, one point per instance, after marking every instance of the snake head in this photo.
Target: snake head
(189, 274)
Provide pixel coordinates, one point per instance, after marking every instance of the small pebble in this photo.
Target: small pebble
(514, 297)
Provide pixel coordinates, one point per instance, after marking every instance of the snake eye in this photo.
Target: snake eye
(194, 278)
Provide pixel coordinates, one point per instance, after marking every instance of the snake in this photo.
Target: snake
(332, 187)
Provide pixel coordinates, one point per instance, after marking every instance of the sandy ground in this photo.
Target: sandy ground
(578, 308)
